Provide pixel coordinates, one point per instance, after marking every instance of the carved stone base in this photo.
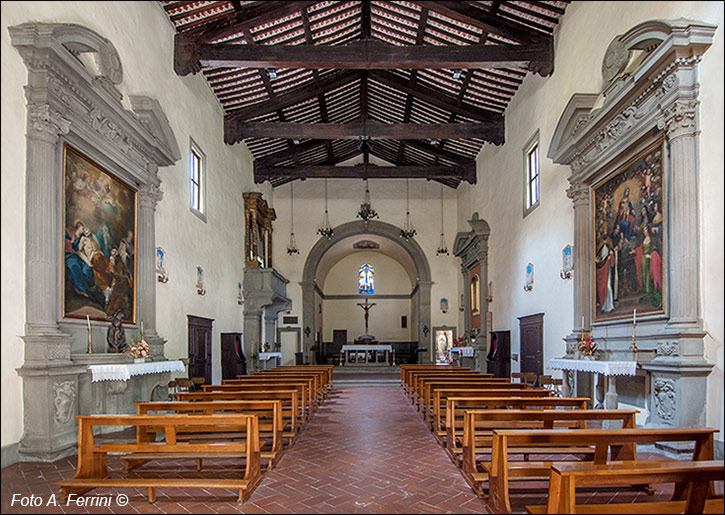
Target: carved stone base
(50, 397)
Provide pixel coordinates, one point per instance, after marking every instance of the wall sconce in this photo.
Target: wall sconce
(444, 305)
(462, 305)
(489, 296)
(162, 275)
(200, 281)
(425, 330)
(308, 331)
(567, 262)
(240, 300)
(529, 284)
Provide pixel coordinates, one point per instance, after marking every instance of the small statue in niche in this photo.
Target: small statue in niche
(116, 336)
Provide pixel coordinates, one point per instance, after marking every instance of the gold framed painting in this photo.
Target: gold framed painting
(100, 228)
(629, 238)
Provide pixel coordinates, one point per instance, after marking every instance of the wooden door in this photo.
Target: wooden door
(234, 362)
(199, 347)
(531, 330)
(498, 360)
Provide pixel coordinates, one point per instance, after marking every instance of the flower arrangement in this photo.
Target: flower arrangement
(138, 349)
(587, 347)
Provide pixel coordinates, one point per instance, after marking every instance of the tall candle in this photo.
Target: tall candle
(634, 316)
(88, 319)
(582, 321)
(141, 327)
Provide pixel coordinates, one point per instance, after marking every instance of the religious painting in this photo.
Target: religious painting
(100, 224)
(366, 279)
(629, 238)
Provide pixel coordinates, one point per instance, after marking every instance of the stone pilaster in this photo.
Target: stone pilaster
(149, 196)
(579, 193)
(425, 340)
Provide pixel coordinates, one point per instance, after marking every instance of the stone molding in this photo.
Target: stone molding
(70, 101)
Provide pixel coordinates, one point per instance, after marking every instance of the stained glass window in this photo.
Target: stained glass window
(366, 279)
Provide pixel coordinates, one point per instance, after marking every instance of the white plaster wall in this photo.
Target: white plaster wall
(581, 41)
(388, 199)
(145, 45)
(384, 318)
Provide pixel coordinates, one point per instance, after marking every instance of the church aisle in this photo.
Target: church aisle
(366, 450)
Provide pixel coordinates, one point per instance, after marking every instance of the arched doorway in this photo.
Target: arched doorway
(421, 293)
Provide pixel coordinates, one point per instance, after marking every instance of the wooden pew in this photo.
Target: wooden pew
(304, 387)
(697, 475)
(413, 376)
(318, 376)
(451, 435)
(425, 401)
(327, 369)
(269, 424)
(406, 370)
(416, 378)
(609, 446)
(92, 472)
(292, 414)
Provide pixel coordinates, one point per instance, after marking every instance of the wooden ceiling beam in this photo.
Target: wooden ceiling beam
(466, 13)
(434, 97)
(364, 129)
(462, 172)
(294, 96)
(190, 57)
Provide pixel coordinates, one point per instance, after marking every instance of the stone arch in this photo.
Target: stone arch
(422, 302)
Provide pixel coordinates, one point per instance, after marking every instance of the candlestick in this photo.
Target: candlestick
(634, 317)
(633, 348)
(88, 319)
(90, 346)
(582, 323)
(142, 329)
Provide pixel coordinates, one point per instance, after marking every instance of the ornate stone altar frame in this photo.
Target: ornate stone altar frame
(72, 98)
(651, 90)
(472, 249)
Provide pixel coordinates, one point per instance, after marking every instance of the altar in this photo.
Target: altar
(357, 354)
(270, 359)
(605, 370)
(109, 385)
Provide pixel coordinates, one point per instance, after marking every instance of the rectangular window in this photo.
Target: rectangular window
(197, 180)
(531, 174)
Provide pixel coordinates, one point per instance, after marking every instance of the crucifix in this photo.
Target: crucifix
(366, 306)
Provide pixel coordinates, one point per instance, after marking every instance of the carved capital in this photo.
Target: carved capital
(149, 195)
(678, 118)
(45, 122)
(578, 192)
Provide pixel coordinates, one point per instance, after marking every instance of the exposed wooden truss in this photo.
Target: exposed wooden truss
(419, 84)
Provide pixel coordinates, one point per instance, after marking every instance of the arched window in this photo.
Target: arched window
(366, 279)
(475, 294)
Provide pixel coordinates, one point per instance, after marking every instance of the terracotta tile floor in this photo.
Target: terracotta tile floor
(366, 450)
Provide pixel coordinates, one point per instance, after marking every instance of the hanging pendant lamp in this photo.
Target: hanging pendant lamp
(407, 232)
(366, 212)
(442, 246)
(326, 230)
(292, 246)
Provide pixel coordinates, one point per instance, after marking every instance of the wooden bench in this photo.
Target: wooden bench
(697, 475)
(303, 387)
(326, 369)
(92, 472)
(292, 414)
(414, 375)
(269, 423)
(406, 370)
(417, 379)
(451, 434)
(482, 423)
(318, 378)
(609, 446)
(426, 399)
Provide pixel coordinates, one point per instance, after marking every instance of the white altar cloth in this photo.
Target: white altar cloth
(465, 352)
(361, 347)
(264, 356)
(607, 368)
(124, 372)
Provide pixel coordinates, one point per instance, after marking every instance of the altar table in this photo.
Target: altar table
(275, 357)
(607, 369)
(363, 351)
(123, 372)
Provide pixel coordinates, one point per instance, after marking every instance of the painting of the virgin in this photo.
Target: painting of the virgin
(99, 241)
(629, 238)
